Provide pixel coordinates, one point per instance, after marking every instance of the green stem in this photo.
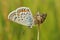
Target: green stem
(38, 32)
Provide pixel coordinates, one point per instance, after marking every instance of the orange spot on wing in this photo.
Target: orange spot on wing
(23, 10)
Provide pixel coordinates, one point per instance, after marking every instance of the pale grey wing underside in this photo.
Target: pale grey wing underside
(22, 16)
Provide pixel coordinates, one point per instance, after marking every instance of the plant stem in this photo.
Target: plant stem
(38, 32)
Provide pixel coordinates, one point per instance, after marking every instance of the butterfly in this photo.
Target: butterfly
(23, 15)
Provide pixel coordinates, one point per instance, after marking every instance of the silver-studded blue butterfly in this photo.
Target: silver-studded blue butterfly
(22, 16)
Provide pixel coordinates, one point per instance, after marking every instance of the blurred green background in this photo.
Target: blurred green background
(49, 30)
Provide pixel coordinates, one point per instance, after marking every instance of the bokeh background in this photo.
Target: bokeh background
(49, 30)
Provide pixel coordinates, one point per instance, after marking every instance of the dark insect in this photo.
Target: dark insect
(39, 18)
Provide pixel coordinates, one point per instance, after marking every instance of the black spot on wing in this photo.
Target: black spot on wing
(15, 18)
